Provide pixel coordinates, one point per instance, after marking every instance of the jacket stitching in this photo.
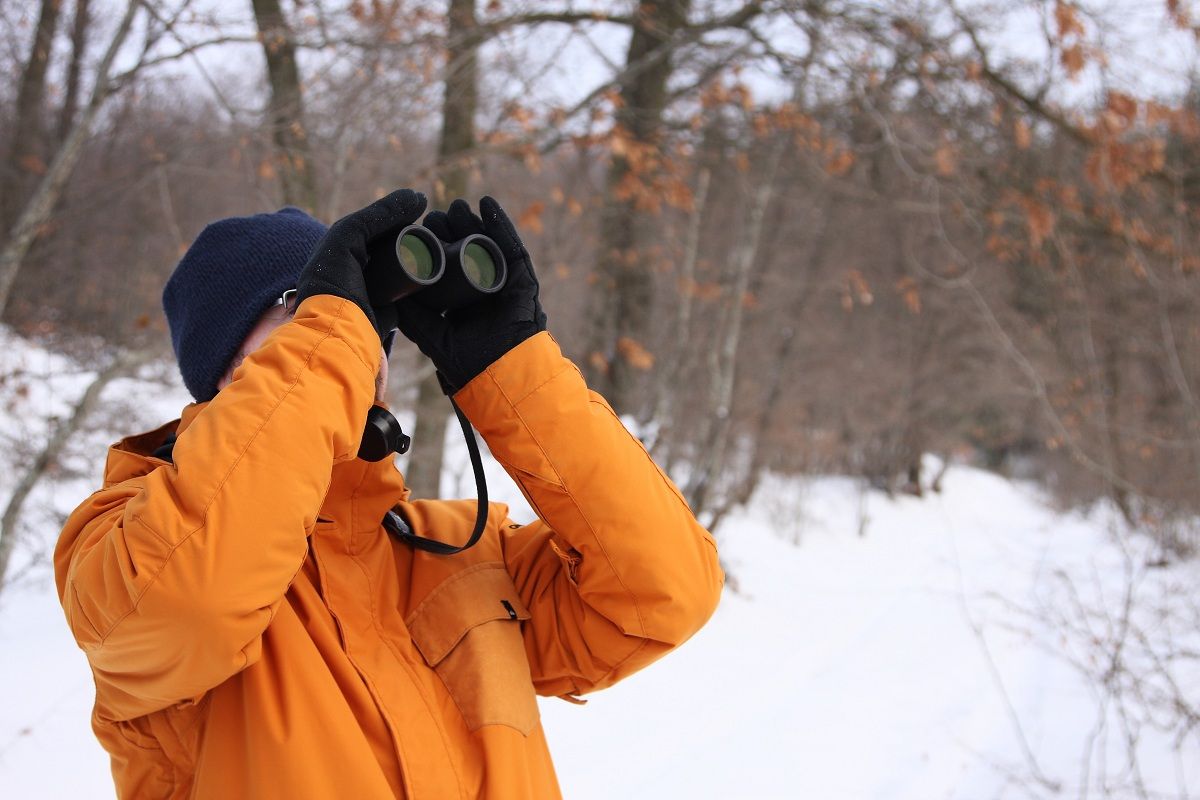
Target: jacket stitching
(224, 479)
(331, 332)
(136, 518)
(641, 644)
(78, 606)
(532, 391)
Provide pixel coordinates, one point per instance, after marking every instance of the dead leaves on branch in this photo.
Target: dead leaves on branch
(653, 177)
(635, 353)
(629, 350)
(856, 291)
(1071, 35)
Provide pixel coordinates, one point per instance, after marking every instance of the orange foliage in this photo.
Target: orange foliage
(1039, 219)
(597, 360)
(1122, 106)
(1066, 17)
(1118, 164)
(945, 158)
(839, 162)
(907, 287)
(856, 290)
(531, 218)
(701, 291)
(33, 163)
(1073, 59)
(1021, 134)
(633, 352)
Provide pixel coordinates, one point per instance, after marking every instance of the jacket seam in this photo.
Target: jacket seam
(532, 391)
(390, 645)
(561, 482)
(217, 491)
(641, 644)
(336, 335)
(136, 518)
(79, 607)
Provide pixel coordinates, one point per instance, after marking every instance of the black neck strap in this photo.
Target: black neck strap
(400, 529)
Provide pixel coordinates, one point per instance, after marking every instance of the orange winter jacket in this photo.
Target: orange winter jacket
(255, 632)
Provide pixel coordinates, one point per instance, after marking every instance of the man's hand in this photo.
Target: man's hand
(336, 266)
(463, 343)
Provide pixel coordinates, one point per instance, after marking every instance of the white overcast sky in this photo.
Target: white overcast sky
(1148, 56)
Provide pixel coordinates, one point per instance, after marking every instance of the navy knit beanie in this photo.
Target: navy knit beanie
(232, 273)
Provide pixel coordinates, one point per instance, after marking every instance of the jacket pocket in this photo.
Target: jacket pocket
(469, 631)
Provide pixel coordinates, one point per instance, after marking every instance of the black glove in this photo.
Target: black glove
(464, 342)
(336, 266)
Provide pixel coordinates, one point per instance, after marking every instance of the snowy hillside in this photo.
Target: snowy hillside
(930, 658)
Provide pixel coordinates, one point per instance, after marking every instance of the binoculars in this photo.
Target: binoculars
(447, 277)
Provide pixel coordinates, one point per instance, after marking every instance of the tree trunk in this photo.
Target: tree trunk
(286, 107)
(79, 32)
(669, 379)
(27, 151)
(621, 302)
(717, 424)
(457, 140)
(37, 210)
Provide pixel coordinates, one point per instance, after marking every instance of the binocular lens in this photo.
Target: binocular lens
(415, 256)
(449, 276)
(479, 266)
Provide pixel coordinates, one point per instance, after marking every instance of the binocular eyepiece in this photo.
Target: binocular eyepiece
(447, 276)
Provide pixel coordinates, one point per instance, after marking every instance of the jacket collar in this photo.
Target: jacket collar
(360, 492)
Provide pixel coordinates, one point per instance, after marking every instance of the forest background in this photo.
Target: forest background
(783, 237)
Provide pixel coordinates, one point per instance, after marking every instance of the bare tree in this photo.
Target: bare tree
(285, 109)
(38, 207)
(26, 152)
(80, 26)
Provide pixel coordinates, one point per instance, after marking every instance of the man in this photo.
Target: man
(255, 632)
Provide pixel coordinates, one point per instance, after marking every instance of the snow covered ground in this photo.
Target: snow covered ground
(930, 658)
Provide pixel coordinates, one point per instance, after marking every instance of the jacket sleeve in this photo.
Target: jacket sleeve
(169, 580)
(617, 571)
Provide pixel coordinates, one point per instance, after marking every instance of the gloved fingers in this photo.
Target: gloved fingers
(438, 225)
(463, 221)
(401, 207)
(499, 227)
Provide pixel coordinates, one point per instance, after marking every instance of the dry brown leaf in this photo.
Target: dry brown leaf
(907, 287)
(33, 163)
(945, 158)
(531, 218)
(633, 352)
(1066, 17)
(1022, 134)
(1073, 59)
